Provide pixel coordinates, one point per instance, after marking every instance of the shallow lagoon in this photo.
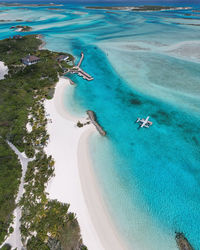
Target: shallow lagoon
(150, 177)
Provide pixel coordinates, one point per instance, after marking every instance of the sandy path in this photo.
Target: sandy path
(15, 238)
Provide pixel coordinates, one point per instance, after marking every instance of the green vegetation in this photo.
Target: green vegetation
(67, 65)
(6, 247)
(22, 83)
(79, 124)
(50, 219)
(135, 8)
(45, 224)
(10, 173)
(153, 8)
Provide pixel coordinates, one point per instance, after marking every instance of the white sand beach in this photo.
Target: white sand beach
(3, 70)
(74, 180)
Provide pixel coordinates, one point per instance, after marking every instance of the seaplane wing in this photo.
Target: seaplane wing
(145, 122)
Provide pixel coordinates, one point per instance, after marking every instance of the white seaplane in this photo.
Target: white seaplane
(144, 122)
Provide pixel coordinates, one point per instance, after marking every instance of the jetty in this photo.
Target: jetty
(182, 242)
(79, 71)
(93, 119)
(82, 56)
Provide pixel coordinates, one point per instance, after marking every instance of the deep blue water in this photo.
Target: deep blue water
(143, 64)
(158, 168)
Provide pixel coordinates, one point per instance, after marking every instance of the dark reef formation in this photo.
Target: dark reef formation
(182, 242)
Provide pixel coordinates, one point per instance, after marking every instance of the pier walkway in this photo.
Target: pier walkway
(84, 75)
(82, 56)
(77, 70)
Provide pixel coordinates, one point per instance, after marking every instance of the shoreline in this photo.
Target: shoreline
(101, 219)
(74, 174)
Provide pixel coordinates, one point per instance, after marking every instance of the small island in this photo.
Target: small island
(28, 4)
(21, 28)
(138, 8)
(8, 20)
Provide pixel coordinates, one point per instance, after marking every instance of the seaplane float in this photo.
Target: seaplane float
(144, 123)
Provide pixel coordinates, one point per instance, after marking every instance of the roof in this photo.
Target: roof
(62, 57)
(31, 58)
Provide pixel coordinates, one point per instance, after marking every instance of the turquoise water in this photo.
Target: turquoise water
(143, 64)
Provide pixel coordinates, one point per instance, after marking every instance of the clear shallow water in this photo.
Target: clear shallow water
(150, 177)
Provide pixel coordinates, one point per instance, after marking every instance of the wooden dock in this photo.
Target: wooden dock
(77, 70)
(82, 56)
(85, 75)
(93, 119)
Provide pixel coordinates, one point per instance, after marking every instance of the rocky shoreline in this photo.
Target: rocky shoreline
(93, 119)
(182, 242)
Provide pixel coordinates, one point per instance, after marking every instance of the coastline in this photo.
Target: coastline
(145, 69)
(74, 173)
(101, 220)
(17, 229)
(43, 44)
